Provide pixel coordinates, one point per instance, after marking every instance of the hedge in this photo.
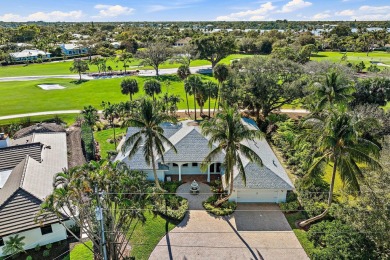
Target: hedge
(173, 207)
(226, 208)
(88, 142)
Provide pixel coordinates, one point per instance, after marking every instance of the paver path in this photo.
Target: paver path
(194, 200)
(203, 236)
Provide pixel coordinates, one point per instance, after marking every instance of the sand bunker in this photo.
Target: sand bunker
(50, 86)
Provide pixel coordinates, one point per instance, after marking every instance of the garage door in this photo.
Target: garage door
(257, 196)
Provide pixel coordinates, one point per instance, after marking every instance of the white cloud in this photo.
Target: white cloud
(321, 16)
(366, 13)
(294, 5)
(256, 14)
(113, 10)
(53, 16)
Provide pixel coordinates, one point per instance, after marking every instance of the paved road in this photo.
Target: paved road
(198, 69)
(59, 112)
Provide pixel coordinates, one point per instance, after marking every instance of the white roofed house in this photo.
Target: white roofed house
(73, 49)
(29, 55)
(267, 183)
(27, 169)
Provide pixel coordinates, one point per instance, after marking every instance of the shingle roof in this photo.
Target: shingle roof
(28, 53)
(19, 211)
(12, 155)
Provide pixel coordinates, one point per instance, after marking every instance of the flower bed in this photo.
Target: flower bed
(226, 208)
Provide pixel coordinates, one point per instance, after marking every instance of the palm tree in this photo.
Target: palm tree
(79, 66)
(110, 112)
(228, 132)
(183, 72)
(212, 90)
(14, 245)
(193, 84)
(90, 115)
(150, 137)
(221, 73)
(342, 143)
(129, 87)
(152, 87)
(334, 90)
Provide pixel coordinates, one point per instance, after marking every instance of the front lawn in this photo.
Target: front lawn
(103, 136)
(146, 236)
(80, 252)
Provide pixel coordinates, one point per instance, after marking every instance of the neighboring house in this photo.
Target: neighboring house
(27, 170)
(182, 42)
(29, 55)
(116, 45)
(268, 183)
(387, 47)
(72, 49)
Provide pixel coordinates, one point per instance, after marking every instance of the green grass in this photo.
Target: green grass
(103, 136)
(62, 67)
(68, 119)
(26, 97)
(146, 236)
(299, 233)
(338, 184)
(354, 57)
(80, 252)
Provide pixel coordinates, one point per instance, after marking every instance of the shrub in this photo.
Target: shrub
(173, 207)
(171, 186)
(37, 248)
(88, 141)
(29, 257)
(226, 208)
(49, 246)
(289, 207)
(46, 253)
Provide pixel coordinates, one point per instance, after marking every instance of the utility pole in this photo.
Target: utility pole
(99, 217)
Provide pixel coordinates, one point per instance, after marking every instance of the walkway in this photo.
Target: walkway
(254, 231)
(194, 200)
(59, 112)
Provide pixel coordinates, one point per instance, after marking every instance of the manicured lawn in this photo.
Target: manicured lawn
(301, 234)
(354, 57)
(68, 119)
(26, 97)
(62, 67)
(146, 236)
(103, 136)
(80, 252)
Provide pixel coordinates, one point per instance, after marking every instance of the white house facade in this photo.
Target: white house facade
(29, 55)
(73, 49)
(267, 183)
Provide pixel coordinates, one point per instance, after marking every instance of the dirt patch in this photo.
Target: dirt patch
(75, 150)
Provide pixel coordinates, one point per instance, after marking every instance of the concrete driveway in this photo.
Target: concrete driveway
(254, 231)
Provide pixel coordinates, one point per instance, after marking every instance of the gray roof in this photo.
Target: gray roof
(30, 182)
(191, 146)
(12, 155)
(19, 211)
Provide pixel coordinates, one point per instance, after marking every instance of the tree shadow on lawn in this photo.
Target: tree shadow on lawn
(319, 56)
(79, 82)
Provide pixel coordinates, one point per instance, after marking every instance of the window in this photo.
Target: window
(1, 241)
(185, 165)
(194, 164)
(174, 165)
(46, 230)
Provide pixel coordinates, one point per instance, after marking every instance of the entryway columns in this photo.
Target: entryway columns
(208, 173)
(179, 164)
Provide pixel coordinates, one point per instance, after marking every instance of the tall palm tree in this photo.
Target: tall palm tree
(129, 87)
(193, 83)
(212, 90)
(333, 90)
(152, 87)
(342, 143)
(110, 112)
(90, 115)
(183, 72)
(150, 137)
(221, 73)
(14, 245)
(228, 132)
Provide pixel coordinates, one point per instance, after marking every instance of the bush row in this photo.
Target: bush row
(88, 141)
(226, 208)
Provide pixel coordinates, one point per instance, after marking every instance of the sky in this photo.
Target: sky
(192, 10)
